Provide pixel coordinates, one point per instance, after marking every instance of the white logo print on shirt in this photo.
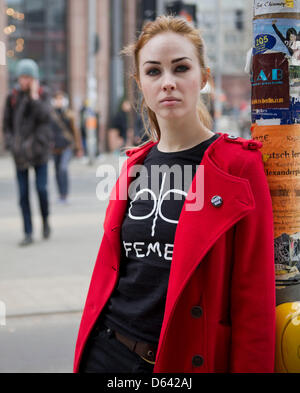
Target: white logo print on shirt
(140, 248)
(157, 204)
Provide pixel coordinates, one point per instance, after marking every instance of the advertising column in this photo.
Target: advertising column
(275, 105)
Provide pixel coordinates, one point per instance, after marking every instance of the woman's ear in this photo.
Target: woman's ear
(137, 81)
(205, 77)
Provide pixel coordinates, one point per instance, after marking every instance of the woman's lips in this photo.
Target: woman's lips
(169, 102)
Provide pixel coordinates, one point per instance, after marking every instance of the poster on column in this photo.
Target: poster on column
(281, 156)
(273, 36)
(278, 35)
(270, 81)
(262, 7)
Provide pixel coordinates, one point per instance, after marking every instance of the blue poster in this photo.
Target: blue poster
(277, 35)
(284, 116)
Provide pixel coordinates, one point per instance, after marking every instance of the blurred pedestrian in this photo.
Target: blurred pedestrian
(84, 112)
(27, 135)
(67, 141)
(119, 132)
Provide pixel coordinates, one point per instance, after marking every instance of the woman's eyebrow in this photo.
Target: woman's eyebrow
(173, 61)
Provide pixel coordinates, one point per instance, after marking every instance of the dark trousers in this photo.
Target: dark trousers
(41, 175)
(105, 354)
(61, 162)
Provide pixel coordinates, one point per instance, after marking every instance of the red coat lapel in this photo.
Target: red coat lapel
(197, 231)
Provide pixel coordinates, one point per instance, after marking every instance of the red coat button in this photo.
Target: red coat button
(197, 361)
(196, 311)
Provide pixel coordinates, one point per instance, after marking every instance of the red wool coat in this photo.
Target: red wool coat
(220, 306)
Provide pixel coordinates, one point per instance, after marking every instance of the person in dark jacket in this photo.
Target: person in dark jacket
(119, 132)
(28, 136)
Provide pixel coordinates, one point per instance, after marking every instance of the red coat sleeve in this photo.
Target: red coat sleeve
(253, 279)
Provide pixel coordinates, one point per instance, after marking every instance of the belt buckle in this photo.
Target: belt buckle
(146, 360)
(150, 353)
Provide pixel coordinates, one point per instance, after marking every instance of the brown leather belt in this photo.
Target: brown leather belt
(144, 350)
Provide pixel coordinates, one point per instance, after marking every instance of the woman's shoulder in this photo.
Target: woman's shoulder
(234, 154)
(139, 149)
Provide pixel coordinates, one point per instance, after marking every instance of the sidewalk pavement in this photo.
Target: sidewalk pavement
(50, 276)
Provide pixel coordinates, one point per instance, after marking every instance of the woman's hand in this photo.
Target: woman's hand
(79, 153)
(34, 89)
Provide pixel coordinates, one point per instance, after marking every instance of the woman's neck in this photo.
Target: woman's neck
(181, 135)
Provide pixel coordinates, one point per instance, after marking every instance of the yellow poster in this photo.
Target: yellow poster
(289, 3)
(281, 155)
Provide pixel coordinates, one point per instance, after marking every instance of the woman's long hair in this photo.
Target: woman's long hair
(163, 24)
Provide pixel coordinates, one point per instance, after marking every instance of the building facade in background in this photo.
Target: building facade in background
(236, 40)
(55, 34)
(37, 29)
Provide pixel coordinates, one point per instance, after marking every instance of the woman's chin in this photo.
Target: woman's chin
(171, 114)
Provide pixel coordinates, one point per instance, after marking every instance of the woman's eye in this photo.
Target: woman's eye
(156, 71)
(182, 68)
(152, 72)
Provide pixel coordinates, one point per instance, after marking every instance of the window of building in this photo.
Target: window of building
(39, 33)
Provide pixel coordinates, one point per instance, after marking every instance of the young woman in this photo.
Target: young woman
(184, 279)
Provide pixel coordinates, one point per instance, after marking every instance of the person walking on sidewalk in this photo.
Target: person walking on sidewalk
(119, 133)
(67, 140)
(184, 280)
(28, 136)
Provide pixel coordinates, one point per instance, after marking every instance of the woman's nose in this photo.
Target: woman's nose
(168, 84)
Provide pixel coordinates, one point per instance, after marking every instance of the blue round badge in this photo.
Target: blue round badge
(263, 42)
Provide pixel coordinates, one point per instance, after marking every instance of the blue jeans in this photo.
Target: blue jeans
(41, 178)
(61, 162)
(105, 354)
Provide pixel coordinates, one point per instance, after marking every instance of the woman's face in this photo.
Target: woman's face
(169, 68)
(25, 82)
(59, 101)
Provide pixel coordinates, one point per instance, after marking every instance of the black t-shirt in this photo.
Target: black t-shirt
(136, 307)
